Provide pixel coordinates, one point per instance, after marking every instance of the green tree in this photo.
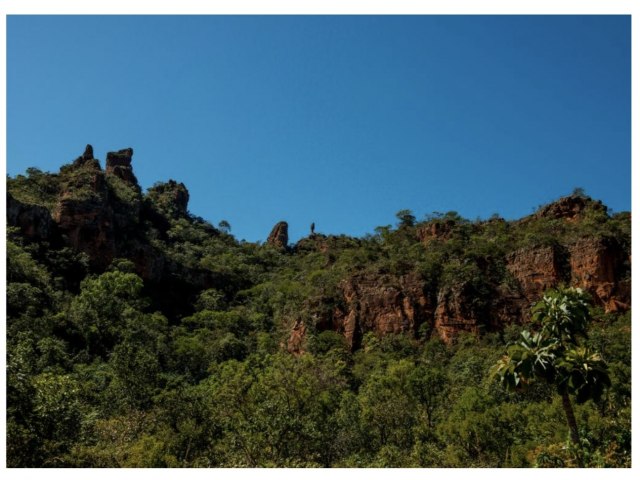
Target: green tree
(427, 384)
(555, 355)
(406, 218)
(579, 192)
(224, 226)
(387, 408)
(101, 309)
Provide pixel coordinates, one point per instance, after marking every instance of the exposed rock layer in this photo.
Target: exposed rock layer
(279, 236)
(595, 266)
(84, 215)
(119, 164)
(100, 212)
(386, 304)
(34, 221)
(536, 269)
(569, 208)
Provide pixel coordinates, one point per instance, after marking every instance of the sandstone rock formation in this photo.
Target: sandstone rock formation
(88, 153)
(87, 157)
(386, 304)
(595, 266)
(119, 164)
(507, 306)
(34, 221)
(568, 208)
(536, 269)
(103, 214)
(457, 311)
(96, 213)
(295, 343)
(84, 216)
(171, 197)
(380, 303)
(279, 236)
(438, 229)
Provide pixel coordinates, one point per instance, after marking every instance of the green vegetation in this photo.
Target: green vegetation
(188, 368)
(555, 355)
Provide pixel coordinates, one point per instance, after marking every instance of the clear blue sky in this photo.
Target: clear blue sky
(338, 120)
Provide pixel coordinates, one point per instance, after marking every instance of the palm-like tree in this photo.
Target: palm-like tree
(555, 354)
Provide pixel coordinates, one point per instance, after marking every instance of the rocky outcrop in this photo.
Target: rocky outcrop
(435, 230)
(104, 214)
(596, 266)
(386, 304)
(458, 310)
(593, 264)
(313, 243)
(119, 164)
(569, 208)
(88, 153)
(87, 158)
(279, 236)
(536, 269)
(379, 303)
(90, 216)
(170, 197)
(297, 337)
(88, 228)
(34, 221)
(83, 214)
(507, 306)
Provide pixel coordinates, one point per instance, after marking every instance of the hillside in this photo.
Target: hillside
(141, 335)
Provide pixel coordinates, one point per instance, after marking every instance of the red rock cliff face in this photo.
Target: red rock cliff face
(595, 266)
(86, 218)
(34, 221)
(90, 217)
(536, 269)
(569, 208)
(119, 164)
(385, 304)
(456, 312)
(592, 264)
(436, 230)
(279, 236)
(373, 303)
(296, 341)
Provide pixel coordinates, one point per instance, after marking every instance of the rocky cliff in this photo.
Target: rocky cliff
(597, 266)
(119, 164)
(279, 236)
(84, 214)
(439, 277)
(34, 221)
(399, 304)
(103, 214)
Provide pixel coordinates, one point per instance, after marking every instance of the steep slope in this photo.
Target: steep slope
(138, 335)
(438, 277)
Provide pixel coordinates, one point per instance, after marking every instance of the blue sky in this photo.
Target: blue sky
(341, 121)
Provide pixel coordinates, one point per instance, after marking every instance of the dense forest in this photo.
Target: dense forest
(140, 335)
